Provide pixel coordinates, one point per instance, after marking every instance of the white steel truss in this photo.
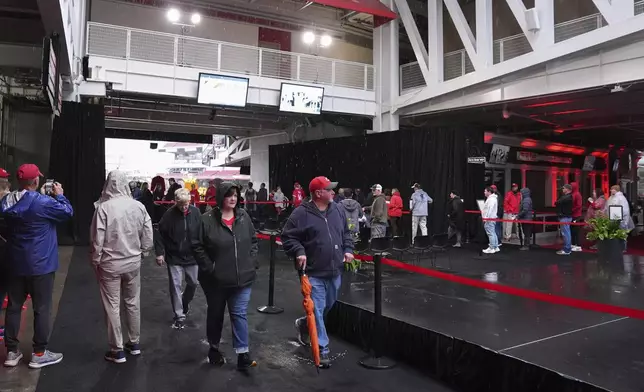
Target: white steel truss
(536, 23)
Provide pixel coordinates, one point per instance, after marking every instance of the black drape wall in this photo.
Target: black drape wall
(77, 161)
(436, 157)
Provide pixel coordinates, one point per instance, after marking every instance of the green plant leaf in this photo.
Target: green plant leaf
(602, 228)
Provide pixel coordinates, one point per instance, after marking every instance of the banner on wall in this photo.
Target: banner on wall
(527, 156)
(499, 154)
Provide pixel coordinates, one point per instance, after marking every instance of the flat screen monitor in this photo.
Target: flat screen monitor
(296, 98)
(222, 90)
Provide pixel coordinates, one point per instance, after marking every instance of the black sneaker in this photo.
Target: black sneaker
(244, 362)
(325, 361)
(186, 310)
(133, 348)
(115, 356)
(302, 332)
(178, 324)
(215, 357)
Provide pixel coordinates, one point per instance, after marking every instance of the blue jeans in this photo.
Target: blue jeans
(490, 230)
(324, 293)
(565, 232)
(237, 300)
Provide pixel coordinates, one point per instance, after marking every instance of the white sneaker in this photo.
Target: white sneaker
(497, 250)
(488, 251)
(576, 248)
(13, 358)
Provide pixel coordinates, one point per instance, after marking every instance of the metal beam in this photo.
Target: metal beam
(414, 37)
(464, 31)
(615, 11)
(518, 10)
(484, 36)
(435, 40)
(582, 42)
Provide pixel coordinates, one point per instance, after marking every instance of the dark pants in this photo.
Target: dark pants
(574, 232)
(41, 289)
(498, 229)
(237, 300)
(526, 228)
(395, 226)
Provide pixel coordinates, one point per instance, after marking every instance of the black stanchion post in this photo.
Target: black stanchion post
(271, 308)
(534, 232)
(467, 231)
(376, 361)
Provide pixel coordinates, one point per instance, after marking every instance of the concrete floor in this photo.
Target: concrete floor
(21, 378)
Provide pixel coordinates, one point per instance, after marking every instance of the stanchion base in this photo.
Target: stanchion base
(270, 309)
(374, 363)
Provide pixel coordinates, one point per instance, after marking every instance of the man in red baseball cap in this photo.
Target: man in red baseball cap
(32, 252)
(318, 237)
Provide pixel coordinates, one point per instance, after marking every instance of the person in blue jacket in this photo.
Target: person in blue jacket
(32, 253)
(318, 237)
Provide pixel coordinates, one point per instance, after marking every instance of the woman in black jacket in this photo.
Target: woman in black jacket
(226, 252)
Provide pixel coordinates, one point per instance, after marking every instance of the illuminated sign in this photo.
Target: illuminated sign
(526, 156)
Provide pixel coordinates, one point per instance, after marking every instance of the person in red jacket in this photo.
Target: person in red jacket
(510, 210)
(298, 195)
(395, 212)
(576, 216)
(211, 194)
(194, 195)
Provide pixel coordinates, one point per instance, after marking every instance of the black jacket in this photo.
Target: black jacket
(173, 188)
(526, 210)
(230, 256)
(564, 206)
(323, 237)
(456, 213)
(176, 231)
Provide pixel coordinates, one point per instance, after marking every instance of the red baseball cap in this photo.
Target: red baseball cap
(3, 173)
(320, 183)
(28, 171)
(493, 187)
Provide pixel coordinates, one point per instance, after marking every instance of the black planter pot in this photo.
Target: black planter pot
(611, 250)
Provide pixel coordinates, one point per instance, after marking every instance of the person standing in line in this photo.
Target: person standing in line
(596, 205)
(226, 252)
(577, 215)
(395, 212)
(420, 201)
(490, 211)
(5, 186)
(173, 246)
(359, 196)
(511, 210)
(251, 198)
(298, 195)
(120, 236)
(498, 226)
(526, 213)
(317, 236)
(195, 197)
(456, 216)
(353, 211)
(174, 186)
(564, 212)
(617, 198)
(32, 252)
(279, 198)
(378, 213)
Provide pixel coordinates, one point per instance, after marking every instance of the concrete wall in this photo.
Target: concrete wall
(26, 137)
(259, 159)
(505, 25)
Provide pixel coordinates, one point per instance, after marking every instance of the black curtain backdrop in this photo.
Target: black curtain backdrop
(77, 161)
(436, 158)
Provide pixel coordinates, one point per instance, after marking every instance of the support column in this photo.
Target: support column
(435, 42)
(484, 37)
(545, 37)
(387, 63)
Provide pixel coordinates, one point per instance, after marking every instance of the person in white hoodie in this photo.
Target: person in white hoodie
(121, 235)
(490, 212)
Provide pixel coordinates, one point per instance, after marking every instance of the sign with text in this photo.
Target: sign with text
(477, 160)
(527, 156)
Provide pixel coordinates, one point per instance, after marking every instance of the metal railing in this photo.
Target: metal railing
(457, 63)
(183, 51)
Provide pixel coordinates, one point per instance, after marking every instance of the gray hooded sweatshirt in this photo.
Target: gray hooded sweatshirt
(121, 231)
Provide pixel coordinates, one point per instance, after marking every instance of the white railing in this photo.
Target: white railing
(457, 63)
(179, 50)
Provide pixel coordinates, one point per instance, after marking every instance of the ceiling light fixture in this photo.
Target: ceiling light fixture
(308, 37)
(195, 18)
(173, 15)
(326, 40)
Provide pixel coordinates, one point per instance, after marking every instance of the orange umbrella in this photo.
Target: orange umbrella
(309, 308)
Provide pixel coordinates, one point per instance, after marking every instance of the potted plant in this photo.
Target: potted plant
(609, 235)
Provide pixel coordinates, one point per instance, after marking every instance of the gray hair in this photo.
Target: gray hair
(182, 195)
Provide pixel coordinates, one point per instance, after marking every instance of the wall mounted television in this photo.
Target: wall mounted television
(222, 90)
(295, 98)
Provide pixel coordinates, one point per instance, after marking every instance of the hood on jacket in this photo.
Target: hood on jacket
(575, 187)
(222, 189)
(10, 205)
(525, 192)
(350, 205)
(115, 186)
